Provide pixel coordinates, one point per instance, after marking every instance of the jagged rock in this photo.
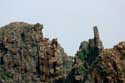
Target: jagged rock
(110, 65)
(99, 65)
(88, 52)
(95, 47)
(28, 57)
(83, 45)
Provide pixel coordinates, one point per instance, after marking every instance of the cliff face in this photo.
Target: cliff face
(110, 65)
(94, 64)
(26, 56)
(85, 57)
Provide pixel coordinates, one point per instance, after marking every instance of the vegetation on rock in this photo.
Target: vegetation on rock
(29, 56)
(26, 56)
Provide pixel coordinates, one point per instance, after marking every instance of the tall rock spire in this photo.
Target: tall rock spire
(96, 33)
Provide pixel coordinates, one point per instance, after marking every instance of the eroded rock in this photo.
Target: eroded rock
(28, 56)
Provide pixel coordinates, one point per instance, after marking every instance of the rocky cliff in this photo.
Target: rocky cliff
(109, 65)
(26, 56)
(94, 64)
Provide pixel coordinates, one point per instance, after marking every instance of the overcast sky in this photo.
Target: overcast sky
(71, 21)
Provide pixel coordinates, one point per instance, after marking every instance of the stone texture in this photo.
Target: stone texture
(94, 64)
(110, 65)
(26, 56)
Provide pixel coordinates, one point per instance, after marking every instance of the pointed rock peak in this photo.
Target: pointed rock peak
(96, 32)
(95, 29)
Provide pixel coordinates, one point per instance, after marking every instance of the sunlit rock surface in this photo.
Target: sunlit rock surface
(26, 56)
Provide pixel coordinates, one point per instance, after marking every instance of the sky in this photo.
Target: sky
(71, 21)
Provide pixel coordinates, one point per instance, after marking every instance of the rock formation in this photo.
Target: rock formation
(94, 64)
(95, 46)
(26, 56)
(87, 54)
(109, 65)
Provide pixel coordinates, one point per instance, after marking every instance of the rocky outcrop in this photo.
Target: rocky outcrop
(94, 64)
(85, 56)
(26, 56)
(109, 66)
(95, 47)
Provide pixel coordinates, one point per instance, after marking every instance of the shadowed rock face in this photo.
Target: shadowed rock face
(26, 56)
